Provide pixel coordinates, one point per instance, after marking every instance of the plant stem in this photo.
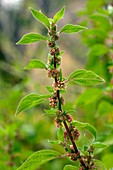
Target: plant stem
(65, 123)
(69, 134)
(56, 79)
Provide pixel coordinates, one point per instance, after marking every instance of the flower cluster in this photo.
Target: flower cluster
(53, 73)
(55, 51)
(51, 61)
(53, 33)
(59, 85)
(53, 101)
(88, 159)
(75, 132)
(74, 156)
(58, 122)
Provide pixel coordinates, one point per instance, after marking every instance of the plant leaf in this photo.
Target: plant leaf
(70, 167)
(29, 101)
(38, 158)
(70, 111)
(88, 97)
(59, 15)
(69, 28)
(99, 145)
(99, 164)
(94, 5)
(40, 17)
(87, 126)
(50, 89)
(108, 160)
(95, 52)
(105, 108)
(50, 112)
(85, 77)
(34, 63)
(58, 142)
(63, 91)
(60, 134)
(102, 20)
(31, 38)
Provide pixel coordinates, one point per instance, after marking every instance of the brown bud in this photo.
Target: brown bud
(51, 44)
(69, 118)
(52, 52)
(57, 51)
(56, 37)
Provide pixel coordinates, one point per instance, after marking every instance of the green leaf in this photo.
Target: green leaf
(39, 158)
(63, 91)
(99, 165)
(34, 63)
(29, 101)
(98, 50)
(69, 28)
(108, 160)
(85, 77)
(105, 108)
(70, 111)
(87, 126)
(102, 20)
(99, 145)
(58, 142)
(50, 112)
(60, 134)
(94, 5)
(31, 38)
(40, 17)
(70, 167)
(59, 15)
(88, 97)
(50, 89)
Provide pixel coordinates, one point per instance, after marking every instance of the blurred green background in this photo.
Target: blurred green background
(31, 130)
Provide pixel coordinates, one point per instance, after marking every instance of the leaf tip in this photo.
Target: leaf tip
(16, 113)
(103, 80)
(64, 7)
(30, 8)
(17, 43)
(86, 28)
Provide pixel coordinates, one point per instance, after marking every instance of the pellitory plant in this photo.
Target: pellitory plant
(68, 133)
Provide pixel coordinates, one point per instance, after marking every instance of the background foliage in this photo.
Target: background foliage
(30, 131)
